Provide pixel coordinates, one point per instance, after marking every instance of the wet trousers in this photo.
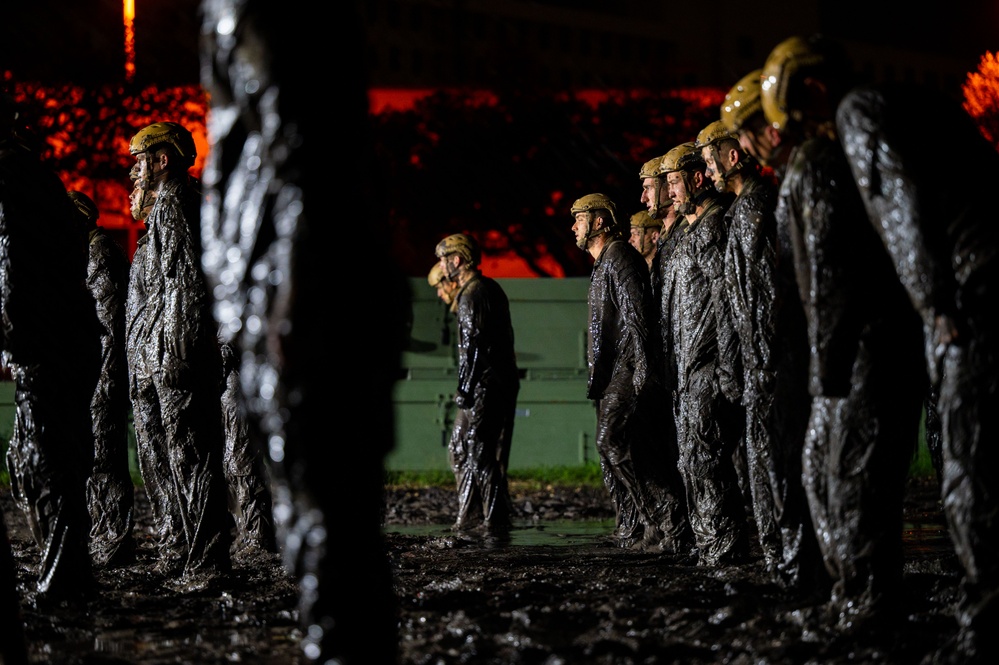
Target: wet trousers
(179, 447)
(968, 406)
(707, 433)
(478, 453)
(49, 458)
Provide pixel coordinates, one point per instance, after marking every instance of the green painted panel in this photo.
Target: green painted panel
(7, 410)
(555, 423)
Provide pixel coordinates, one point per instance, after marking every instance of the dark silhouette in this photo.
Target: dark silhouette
(944, 241)
(271, 229)
(866, 377)
(50, 344)
(245, 467)
(110, 491)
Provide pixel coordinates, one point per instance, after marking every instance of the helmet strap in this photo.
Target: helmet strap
(655, 212)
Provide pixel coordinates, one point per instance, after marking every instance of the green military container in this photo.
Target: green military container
(7, 411)
(555, 423)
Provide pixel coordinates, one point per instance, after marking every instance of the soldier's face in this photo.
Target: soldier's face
(642, 239)
(581, 227)
(677, 188)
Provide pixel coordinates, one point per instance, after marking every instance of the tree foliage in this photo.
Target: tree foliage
(507, 171)
(83, 133)
(503, 166)
(981, 96)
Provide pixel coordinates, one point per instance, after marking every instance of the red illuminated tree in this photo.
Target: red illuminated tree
(981, 96)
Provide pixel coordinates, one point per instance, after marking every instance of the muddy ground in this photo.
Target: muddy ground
(555, 594)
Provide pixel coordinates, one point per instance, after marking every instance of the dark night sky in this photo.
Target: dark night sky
(958, 27)
(81, 41)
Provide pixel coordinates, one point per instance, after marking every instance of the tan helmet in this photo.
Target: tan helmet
(164, 132)
(435, 276)
(643, 220)
(742, 101)
(714, 132)
(788, 60)
(684, 157)
(461, 244)
(650, 168)
(595, 202)
(86, 206)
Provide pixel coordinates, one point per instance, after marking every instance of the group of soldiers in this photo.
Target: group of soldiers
(90, 338)
(140, 339)
(226, 305)
(805, 282)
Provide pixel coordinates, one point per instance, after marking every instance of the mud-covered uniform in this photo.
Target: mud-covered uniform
(245, 466)
(268, 244)
(174, 363)
(49, 336)
(636, 463)
(110, 491)
(943, 239)
(662, 354)
(801, 568)
(865, 377)
(751, 290)
(13, 648)
(486, 397)
(708, 426)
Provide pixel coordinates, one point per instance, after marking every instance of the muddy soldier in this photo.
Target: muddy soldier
(267, 239)
(659, 206)
(945, 245)
(488, 384)
(110, 491)
(800, 569)
(245, 467)
(644, 235)
(708, 425)
(750, 292)
(174, 363)
(866, 377)
(50, 342)
(650, 512)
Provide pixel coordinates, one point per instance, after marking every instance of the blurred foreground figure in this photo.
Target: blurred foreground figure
(50, 344)
(786, 404)
(271, 231)
(486, 396)
(110, 491)
(13, 647)
(944, 242)
(245, 468)
(866, 376)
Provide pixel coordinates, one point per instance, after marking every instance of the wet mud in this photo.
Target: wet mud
(555, 592)
(471, 600)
